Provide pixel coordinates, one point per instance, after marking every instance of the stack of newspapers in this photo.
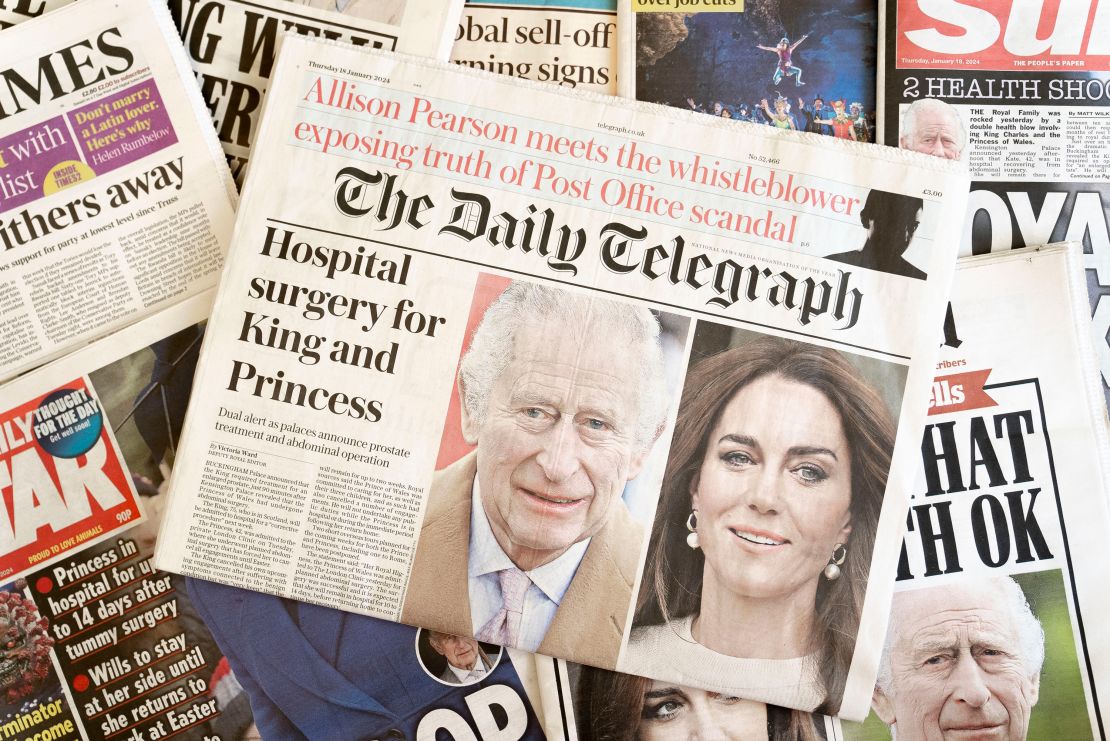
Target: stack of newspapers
(347, 393)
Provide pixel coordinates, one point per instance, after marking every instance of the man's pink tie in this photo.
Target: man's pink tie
(504, 627)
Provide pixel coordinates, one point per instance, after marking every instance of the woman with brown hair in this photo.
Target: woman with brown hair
(620, 707)
(761, 547)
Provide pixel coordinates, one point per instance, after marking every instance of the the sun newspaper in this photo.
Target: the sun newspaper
(1022, 94)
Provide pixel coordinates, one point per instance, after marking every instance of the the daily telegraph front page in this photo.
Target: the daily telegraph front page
(1022, 94)
(1000, 596)
(99, 645)
(114, 198)
(445, 373)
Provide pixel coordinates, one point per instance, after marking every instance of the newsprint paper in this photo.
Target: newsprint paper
(408, 213)
(315, 672)
(115, 200)
(99, 645)
(807, 65)
(1021, 92)
(584, 703)
(1000, 594)
(1000, 589)
(571, 43)
(232, 45)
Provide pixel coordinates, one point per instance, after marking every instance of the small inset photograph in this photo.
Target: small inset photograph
(807, 65)
(889, 221)
(933, 127)
(452, 659)
(759, 557)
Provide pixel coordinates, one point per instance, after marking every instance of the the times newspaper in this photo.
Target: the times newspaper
(115, 200)
(602, 248)
(807, 65)
(995, 626)
(1025, 92)
(571, 43)
(999, 597)
(232, 45)
(99, 645)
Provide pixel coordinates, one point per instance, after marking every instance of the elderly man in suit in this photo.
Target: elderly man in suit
(526, 541)
(933, 127)
(466, 661)
(961, 661)
(313, 672)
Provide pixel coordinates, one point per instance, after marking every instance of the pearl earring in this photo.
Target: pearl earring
(832, 571)
(692, 526)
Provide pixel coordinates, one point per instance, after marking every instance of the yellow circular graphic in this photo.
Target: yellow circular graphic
(65, 174)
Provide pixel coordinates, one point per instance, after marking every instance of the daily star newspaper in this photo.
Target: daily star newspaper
(1000, 591)
(232, 45)
(99, 645)
(585, 257)
(1023, 95)
(115, 200)
(571, 43)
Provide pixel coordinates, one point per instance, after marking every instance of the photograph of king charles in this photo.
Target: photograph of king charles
(961, 661)
(462, 660)
(526, 541)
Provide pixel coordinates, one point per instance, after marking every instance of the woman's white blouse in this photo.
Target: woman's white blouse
(670, 653)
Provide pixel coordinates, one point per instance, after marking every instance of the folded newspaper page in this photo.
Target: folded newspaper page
(114, 198)
(315, 672)
(802, 65)
(232, 45)
(584, 266)
(1000, 596)
(99, 645)
(570, 42)
(582, 703)
(1021, 93)
(994, 631)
